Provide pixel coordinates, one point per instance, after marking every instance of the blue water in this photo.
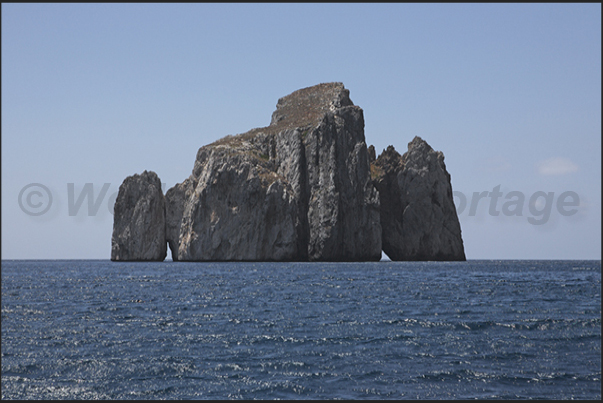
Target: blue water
(406, 330)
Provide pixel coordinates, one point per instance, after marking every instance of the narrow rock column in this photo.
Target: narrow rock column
(175, 200)
(139, 220)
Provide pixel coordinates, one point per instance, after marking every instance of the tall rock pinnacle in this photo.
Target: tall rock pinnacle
(418, 215)
(139, 220)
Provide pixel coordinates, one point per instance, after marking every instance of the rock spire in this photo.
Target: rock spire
(139, 220)
(418, 214)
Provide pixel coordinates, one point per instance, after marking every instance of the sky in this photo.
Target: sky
(510, 93)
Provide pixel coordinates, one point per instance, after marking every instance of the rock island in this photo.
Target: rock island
(304, 188)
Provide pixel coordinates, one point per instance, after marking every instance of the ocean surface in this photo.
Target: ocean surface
(93, 329)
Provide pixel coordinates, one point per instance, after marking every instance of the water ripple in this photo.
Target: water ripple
(480, 329)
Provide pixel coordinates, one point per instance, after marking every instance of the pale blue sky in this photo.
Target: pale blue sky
(510, 93)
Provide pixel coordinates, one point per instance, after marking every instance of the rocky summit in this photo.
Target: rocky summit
(304, 188)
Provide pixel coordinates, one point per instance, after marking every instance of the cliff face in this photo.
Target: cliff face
(139, 220)
(298, 189)
(343, 206)
(239, 210)
(418, 214)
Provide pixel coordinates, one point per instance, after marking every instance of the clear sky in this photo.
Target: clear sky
(510, 93)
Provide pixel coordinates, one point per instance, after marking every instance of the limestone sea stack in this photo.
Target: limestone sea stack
(298, 189)
(139, 220)
(303, 188)
(418, 215)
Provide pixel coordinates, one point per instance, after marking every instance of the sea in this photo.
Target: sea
(481, 329)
